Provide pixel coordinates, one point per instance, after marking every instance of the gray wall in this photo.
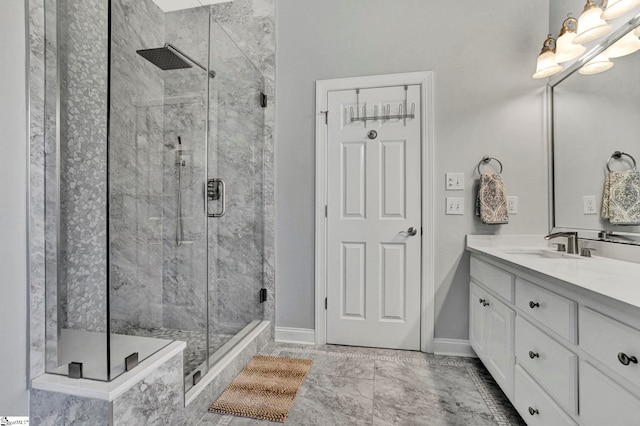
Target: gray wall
(13, 212)
(482, 55)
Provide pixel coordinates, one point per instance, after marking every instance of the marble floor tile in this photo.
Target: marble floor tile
(335, 366)
(369, 386)
(425, 394)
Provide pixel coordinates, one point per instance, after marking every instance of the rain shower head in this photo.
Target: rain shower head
(164, 58)
(170, 57)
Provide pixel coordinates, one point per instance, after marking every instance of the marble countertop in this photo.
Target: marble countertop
(616, 279)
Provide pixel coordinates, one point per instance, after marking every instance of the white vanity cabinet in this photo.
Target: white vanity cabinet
(492, 325)
(562, 355)
(492, 321)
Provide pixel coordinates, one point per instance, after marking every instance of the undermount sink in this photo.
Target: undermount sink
(540, 253)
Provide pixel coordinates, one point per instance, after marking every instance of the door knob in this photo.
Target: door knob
(412, 231)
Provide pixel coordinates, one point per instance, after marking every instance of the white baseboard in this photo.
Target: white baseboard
(454, 347)
(303, 336)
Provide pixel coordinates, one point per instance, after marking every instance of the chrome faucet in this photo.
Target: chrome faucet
(572, 240)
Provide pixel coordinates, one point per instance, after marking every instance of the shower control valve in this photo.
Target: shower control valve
(213, 189)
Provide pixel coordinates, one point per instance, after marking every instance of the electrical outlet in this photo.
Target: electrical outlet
(512, 204)
(455, 181)
(455, 205)
(589, 204)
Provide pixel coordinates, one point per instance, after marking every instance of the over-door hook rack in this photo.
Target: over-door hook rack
(385, 111)
(487, 160)
(617, 155)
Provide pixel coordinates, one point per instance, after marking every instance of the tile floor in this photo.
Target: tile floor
(364, 386)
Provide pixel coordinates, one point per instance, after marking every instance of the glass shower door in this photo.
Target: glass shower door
(236, 135)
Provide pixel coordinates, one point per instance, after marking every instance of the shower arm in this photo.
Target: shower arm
(212, 73)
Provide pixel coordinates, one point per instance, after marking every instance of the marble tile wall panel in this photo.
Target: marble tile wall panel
(53, 409)
(155, 400)
(251, 25)
(36, 211)
(82, 37)
(136, 171)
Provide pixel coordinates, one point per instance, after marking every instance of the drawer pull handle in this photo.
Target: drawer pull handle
(485, 303)
(626, 359)
(533, 411)
(533, 355)
(482, 300)
(533, 304)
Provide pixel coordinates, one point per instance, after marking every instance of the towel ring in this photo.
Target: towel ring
(486, 160)
(617, 155)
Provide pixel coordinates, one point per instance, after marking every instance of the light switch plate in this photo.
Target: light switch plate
(455, 205)
(455, 181)
(512, 204)
(589, 204)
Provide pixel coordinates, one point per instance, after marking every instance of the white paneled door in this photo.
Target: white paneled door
(374, 219)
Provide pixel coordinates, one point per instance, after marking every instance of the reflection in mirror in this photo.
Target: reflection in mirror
(593, 117)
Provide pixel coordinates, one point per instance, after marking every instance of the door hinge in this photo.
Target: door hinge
(326, 211)
(263, 295)
(421, 230)
(263, 100)
(326, 116)
(325, 303)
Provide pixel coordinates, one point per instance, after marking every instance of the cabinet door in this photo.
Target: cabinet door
(604, 402)
(500, 344)
(476, 319)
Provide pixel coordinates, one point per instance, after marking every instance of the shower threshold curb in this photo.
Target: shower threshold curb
(221, 364)
(107, 391)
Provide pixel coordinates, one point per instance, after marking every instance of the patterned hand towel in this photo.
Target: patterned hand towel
(621, 197)
(491, 200)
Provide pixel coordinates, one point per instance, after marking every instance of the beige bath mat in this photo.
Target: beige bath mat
(265, 389)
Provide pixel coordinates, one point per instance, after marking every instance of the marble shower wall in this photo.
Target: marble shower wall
(136, 167)
(82, 30)
(37, 239)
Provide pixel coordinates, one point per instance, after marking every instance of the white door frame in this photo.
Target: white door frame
(323, 87)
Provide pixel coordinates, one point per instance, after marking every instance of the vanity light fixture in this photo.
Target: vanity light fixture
(616, 8)
(547, 64)
(590, 24)
(597, 65)
(625, 46)
(566, 50)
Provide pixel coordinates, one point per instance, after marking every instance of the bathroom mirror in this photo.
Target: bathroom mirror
(592, 116)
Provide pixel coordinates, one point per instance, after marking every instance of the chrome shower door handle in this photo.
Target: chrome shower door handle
(216, 189)
(412, 231)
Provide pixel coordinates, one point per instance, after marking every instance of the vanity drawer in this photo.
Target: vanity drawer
(606, 339)
(552, 310)
(551, 364)
(534, 405)
(604, 402)
(495, 279)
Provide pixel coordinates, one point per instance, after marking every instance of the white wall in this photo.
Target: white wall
(13, 213)
(482, 54)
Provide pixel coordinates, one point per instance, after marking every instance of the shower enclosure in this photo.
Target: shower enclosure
(154, 181)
